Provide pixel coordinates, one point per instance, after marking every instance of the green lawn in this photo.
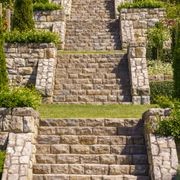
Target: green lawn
(92, 111)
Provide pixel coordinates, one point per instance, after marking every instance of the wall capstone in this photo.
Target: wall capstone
(162, 153)
(140, 89)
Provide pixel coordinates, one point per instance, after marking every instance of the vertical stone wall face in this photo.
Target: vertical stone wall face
(135, 22)
(54, 21)
(21, 125)
(140, 89)
(32, 64)
(92, 78)
(162, 153)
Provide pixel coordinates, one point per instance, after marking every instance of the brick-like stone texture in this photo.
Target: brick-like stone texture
(162, 153)
(140, 89)
(92, 78)
(135, 22)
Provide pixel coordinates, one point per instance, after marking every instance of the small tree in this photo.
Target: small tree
(176, 62)
(23, 15)
(3, 72)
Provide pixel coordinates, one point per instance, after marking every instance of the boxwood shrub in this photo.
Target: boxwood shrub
(19, 97)
(39, 6)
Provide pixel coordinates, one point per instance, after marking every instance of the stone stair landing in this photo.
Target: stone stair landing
(99, 78)
(91, 149)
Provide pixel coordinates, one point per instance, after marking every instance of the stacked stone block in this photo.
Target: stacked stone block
(92, 78)
(92, 149)
(134, 23)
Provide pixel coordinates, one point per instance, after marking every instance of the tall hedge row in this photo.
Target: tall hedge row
(23, 15)
(176, 61)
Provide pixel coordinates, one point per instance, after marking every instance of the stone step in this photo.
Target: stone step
(91, 159)
(90, 169)
(92, 78)
(95, 149)
(104, 9)
(99, 131)
(87, 177)
(92, 35)
(87, 139)
(92, 122)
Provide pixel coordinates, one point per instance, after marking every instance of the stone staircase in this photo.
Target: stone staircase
(91, 149)
(92, 26)
(99, 78)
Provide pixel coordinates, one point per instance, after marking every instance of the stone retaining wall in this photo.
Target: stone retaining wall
(32, 64)
(160, 77)
(140, 89)
(18, 129)
(135, 22)
(54, 21)
(162, 153)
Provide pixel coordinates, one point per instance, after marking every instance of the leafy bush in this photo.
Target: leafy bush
(23, 15)
(40, 1)
(19, 97)
(156, 37)
(142, 4)
(170, 126)
(176, 60)
(159, 68)
(33, 36)
(46, 6)
(164, 88)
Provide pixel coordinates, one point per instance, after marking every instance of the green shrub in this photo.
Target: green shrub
(33, 36)
(142, 4)
(41, 1)
(170, 126)
(19, 97)
(3, 71)
(164, 88)
(176, 61)
(46, 6)
(2, 159)
(164, 102)
(23, 15)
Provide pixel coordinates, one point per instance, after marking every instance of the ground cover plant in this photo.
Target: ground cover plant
(2, 158)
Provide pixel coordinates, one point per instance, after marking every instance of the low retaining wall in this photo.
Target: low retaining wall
(135, 22)
(162, 153)
(32, 64)
(140, 90)
(18, 130)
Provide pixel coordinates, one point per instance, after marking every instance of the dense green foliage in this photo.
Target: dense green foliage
(164, 88)
(142, 4)
(176, 61)
(2, 158)
(19, 97)
(23, 15)
(33, 36)
(156, 38)
(3, 72)
(41, 1)
(46, 6)
(170, 126)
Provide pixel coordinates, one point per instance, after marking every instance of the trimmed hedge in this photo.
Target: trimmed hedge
(164, 88)
(142, 4)
(33, 36)
(46, 6)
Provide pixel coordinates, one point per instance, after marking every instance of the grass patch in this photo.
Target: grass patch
(2, 158)
(92, 111)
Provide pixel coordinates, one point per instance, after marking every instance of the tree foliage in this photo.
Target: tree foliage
(23, 15)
